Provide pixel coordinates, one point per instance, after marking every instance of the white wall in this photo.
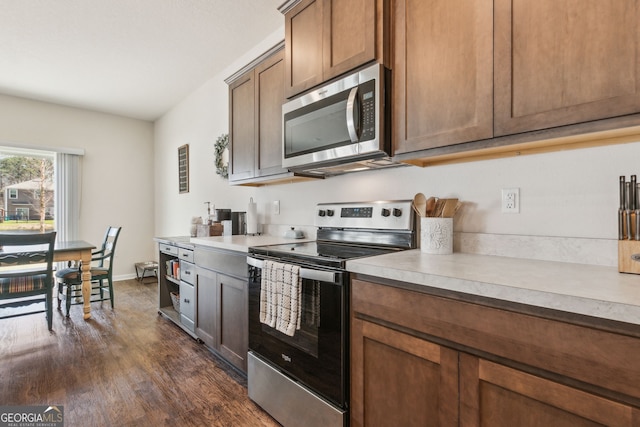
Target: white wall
(117, 169)
(563, 194)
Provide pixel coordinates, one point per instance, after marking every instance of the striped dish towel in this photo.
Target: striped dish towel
(280, 295)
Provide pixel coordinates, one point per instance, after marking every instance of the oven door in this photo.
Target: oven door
(316, 355)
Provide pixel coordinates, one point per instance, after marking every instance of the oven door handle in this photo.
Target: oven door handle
(305, 273)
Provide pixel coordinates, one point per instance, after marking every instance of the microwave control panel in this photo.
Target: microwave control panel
(368, 114)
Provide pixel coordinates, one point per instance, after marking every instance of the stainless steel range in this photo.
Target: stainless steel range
(299, 310)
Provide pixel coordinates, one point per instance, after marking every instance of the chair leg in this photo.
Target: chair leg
(68, 301)
(49, 303)
(60, 286)
(111, 291)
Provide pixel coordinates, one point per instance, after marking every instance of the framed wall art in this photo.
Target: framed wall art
(183, 169)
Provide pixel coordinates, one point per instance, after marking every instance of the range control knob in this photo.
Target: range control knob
(329, 212)
(322, 212)
(397, 212)
(385, 212)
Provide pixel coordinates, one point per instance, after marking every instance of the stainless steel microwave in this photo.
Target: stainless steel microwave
(341, 124)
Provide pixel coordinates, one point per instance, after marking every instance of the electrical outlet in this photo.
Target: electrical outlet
(510, 200)
(276, 207)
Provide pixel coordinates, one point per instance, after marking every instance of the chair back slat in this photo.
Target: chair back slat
(26, 248)
(26, 270)
(109, 246)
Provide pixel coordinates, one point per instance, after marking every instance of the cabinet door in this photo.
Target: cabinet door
(496, 395)
(232, 318)
(205, 314)
(187, 305)
(564, 62)
(400, 380)
(303, 45)
(242, 127)
(269, 99)
(442, 73)
(349, 35)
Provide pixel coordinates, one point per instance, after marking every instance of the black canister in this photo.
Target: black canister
(238, 223)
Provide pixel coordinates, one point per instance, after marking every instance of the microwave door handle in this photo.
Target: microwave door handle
(351, 124)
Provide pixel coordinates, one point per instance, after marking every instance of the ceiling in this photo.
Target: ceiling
(135, 58)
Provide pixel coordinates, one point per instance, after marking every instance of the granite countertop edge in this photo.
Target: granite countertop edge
(596, 291)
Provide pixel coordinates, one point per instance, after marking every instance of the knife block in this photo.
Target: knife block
(628, 250)
(204, 230)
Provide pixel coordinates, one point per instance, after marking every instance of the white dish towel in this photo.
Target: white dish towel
(280, 296)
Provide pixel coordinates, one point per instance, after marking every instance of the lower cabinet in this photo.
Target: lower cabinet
(414, 363)
(232, 316)
(206, 314)
(221, 318)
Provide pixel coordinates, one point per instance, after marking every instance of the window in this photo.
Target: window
(28, 179)
(54, 200)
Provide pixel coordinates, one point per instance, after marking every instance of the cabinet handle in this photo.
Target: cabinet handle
(187, 272)
(186, 301)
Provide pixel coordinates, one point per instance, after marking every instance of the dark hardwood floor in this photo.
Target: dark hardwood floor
(124, 367)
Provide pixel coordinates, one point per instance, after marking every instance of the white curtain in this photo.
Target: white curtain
(68, 191)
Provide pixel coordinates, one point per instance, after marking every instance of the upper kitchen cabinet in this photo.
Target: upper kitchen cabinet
(256, 96)
(565, 62)
(242, 125)
(442, 73)
(326, 38)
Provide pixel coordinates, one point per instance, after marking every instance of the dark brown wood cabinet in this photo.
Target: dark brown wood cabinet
(232, 295)
(422, 359)
(221, 318)
(255, 120)
(326, 38)
(206, 316)
(565, 62)
(488, 78)
(269, 77)
(242, 125)
(442, 73)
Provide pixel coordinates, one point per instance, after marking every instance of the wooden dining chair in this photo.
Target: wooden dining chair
(26, 273)
(70, 279)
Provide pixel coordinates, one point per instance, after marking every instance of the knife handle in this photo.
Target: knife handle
(621, 224)
(622, 192)
(628, 214)
(637, 224)
(633, 201)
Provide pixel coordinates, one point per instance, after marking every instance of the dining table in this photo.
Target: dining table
(78, 250)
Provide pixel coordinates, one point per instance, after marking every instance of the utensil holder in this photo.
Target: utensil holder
(436, 235)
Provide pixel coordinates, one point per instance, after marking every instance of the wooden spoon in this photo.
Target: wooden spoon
(431, 205)
(449, 209)
(437, 211)
(420, 204)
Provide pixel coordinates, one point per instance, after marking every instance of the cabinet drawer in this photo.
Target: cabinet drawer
(228, 262)
(168, 249)
(185, 254)
(187, 301)
(187, 272)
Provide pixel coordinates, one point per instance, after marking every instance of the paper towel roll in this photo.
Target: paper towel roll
(252, 217)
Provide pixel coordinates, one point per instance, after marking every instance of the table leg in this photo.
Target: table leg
(86, 283)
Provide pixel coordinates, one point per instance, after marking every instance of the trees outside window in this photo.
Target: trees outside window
(28, 190)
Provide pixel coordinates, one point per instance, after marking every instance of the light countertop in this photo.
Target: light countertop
(595, 291)
(241, 243)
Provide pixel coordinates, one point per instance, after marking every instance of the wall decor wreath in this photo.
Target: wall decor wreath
(222, 158)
